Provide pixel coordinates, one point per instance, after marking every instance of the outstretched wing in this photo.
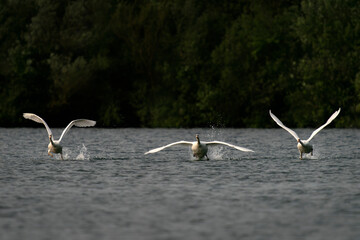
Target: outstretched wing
(37, 119)
(283, 126)
(77, 123)
(335, 114)
(169, 145)
(229, 145)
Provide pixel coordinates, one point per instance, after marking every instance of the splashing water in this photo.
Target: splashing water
(68, 154)
(83, 155)
(214, 133)
(308, 156)
(216, 153)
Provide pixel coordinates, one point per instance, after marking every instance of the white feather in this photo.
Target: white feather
(169, 145)
(283, 126)
(199, 150)
(77, 123)
(333, 116)
(38, 119)
(228, 144)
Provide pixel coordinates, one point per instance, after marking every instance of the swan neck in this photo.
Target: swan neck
(302, 144)
(51, 140)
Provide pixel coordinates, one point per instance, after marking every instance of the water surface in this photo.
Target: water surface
(106, 188)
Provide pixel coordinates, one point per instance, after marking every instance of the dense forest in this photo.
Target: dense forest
(180, 63)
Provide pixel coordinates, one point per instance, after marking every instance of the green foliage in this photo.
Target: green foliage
(172, 63)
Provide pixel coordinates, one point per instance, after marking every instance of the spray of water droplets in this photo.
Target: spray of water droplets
(81, 154)
(215, 152)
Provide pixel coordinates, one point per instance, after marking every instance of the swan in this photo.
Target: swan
(54, 145)
(198, 148)
(304, 146)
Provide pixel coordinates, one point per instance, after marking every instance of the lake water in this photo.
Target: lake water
(106, 188)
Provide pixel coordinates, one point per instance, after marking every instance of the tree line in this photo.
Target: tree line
(180, 63)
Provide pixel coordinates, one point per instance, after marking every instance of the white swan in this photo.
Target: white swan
(304, 146)
(199, 148)
(54, 145)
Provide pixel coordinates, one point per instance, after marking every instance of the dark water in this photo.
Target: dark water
(107, 189)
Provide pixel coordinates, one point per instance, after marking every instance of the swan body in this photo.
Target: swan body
(54, 145)
(304, 146)
(198, 148)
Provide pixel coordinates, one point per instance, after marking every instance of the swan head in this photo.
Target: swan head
(197, 138)
(298, 140)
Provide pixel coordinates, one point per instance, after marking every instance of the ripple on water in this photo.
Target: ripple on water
(109, 188)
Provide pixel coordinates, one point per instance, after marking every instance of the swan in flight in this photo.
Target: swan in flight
(54, 145)
(304, 146)
(198, 148)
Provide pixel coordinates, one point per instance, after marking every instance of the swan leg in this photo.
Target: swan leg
(61, 156)
(50, 154)
(301, 155)
(311, 153)
(207, 158)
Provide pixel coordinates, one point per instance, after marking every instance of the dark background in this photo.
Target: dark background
(180, 63)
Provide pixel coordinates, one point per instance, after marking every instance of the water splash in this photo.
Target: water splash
(214, 132)
(68, 154)
(315, 156)
(216, 153)
(83, 155)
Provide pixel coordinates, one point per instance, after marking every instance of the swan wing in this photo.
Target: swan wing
(37, 119)
(77, 123)
(333, 116)
(229, 145)
(169, 145)
(283, 126)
